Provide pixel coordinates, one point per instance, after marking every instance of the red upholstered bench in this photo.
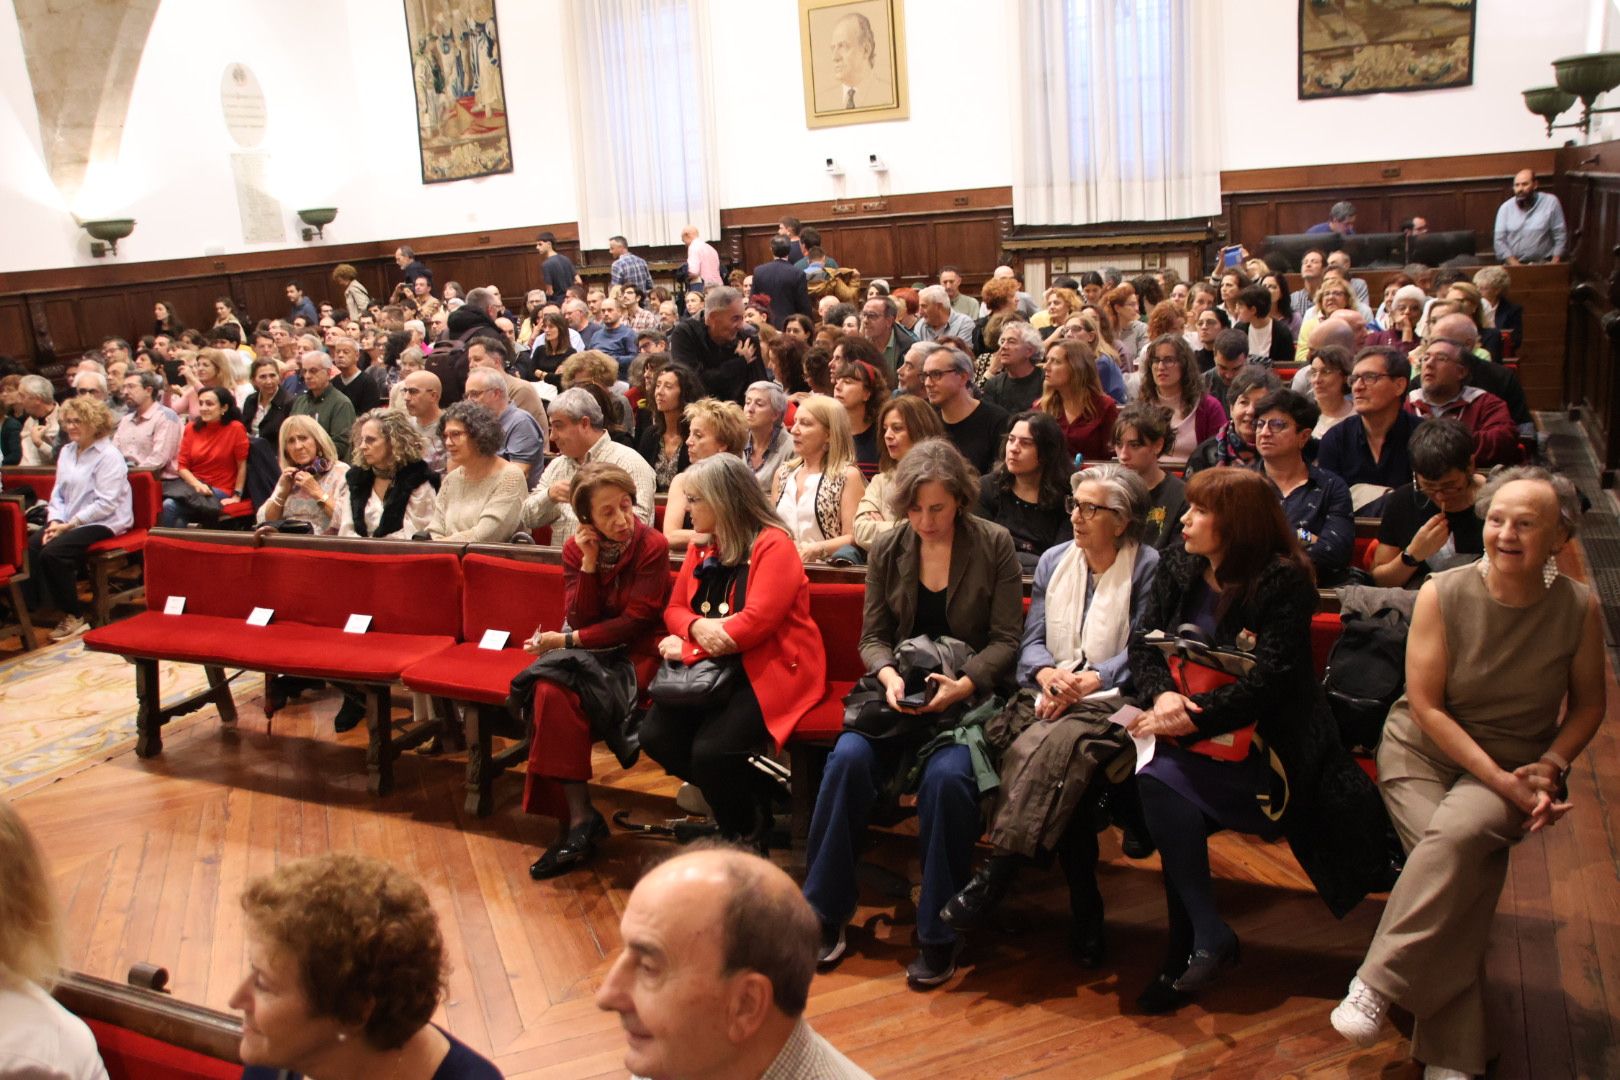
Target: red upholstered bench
(114, 553)
(129, 1055)
(411, 591)
(14, 566)
(513, 590)
(143, 1034)
(836, 610)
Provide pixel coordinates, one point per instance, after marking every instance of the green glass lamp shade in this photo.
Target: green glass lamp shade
(1548, 101)
(320, 217)
(110, 230)
(1588, 76)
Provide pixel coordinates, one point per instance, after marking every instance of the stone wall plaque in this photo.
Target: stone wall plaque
(242, 102)
(262, 219)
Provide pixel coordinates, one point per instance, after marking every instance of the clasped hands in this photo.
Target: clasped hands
(949, 692)
(1535, 789)
(1171, 716)
(1061, 690)
(707, 634)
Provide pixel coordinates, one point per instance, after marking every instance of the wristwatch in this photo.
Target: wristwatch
(1408, 560)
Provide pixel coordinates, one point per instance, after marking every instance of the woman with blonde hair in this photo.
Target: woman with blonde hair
(818, 489)
(34, 1030)
(313, 486)
(712, 427)
(355, 296)
(1471, 302)
(1088, 326)
(1333, 294)
(210, 368)
(1061, 305)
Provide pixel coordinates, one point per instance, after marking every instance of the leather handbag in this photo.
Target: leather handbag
(201, 508)
(706, 682)
(1197, 667)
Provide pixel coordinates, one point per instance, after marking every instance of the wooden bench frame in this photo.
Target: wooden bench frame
(153, 1014)
(24, 626)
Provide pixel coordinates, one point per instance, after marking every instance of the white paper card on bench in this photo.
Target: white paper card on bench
(357, 624)
(494, 639)
(261, 616)
(174, 605)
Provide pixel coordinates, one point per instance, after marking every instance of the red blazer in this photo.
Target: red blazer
(621, 606)
(781, 647)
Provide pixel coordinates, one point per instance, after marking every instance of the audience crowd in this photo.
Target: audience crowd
(1132, 444)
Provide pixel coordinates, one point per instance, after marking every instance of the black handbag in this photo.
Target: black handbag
(204, 509)
(709, 681)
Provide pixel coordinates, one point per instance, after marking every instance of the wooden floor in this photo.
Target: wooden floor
(150, 856)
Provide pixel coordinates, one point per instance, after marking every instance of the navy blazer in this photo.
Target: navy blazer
(787, 287)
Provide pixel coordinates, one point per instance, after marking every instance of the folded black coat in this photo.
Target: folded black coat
(605, 682)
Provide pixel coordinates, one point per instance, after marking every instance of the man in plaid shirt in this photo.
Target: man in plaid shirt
(628, 268)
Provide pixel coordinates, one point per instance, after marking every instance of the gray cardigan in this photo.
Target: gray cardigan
(984, 598)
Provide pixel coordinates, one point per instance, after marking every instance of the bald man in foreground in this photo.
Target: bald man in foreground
(719, 950)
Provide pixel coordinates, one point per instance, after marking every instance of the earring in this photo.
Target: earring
(1549, 572)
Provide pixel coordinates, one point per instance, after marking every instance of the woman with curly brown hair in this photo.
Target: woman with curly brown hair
(345, 967)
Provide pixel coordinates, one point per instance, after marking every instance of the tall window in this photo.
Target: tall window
(1115, 116)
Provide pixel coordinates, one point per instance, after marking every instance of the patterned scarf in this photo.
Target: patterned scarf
(1233, 450)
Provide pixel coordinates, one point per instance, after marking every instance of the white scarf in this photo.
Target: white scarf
(1076, 636)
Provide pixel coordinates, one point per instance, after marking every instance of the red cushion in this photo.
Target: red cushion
(286, 647)
(41, 482)
(1362, 557)
(826, 720)
(467, 673)
(146, 496)
(13, 534)
(134, 540)
(129, 1055)
(836, 610)
(510, 595)
(1325, 629)
(1369, 765)
(7, 571)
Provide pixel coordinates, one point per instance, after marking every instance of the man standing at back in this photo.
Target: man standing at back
(299, 305)
(556, 268)
(628, 268)
(719, 951)
(1341, 220)
(1530, 226)
(786, 287)
(702, 261)
(410, 268)
(950, 279)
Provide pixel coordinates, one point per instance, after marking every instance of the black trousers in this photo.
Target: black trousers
(54, 567)
(709, 747)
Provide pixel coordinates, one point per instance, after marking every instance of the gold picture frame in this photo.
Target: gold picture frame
(854, 61)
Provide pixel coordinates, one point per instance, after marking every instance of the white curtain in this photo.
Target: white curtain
(642, 98)
(1116, 117)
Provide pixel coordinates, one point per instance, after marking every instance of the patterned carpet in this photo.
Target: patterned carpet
(63, 709)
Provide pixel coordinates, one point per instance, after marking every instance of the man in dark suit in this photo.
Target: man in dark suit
(784, 283)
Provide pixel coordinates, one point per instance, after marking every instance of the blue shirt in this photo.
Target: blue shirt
(523, 442)
(618, 342)
(1345, 453)
(1033, 653)
(1533, 235)
(306, 308)
(1321, 507)
(92, 487)
(631, 269)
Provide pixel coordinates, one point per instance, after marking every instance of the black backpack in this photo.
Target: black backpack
(1366, 674)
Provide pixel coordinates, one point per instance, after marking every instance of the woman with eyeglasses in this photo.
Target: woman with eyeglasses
(1330, 385)
(481, 498)
(1025, 492)
(1430, 524)
(1088, 592)
(1139, 438)
(1172, 381)
(1333, 294)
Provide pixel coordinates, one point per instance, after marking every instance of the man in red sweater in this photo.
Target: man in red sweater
(1445, 393)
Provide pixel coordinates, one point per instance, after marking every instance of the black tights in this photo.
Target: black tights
(1181, 830)
(709, 747)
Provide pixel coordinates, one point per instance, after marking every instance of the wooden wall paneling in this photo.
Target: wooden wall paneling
(915, 244)
(16, 333)
(973, 245)
(868, 248)
(62, 318)
(111, 314)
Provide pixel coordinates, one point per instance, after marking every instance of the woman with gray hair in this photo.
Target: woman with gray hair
(481, 496)
(1473, 757)
(1401, 328)
(942, 574)
(1074, 659)
(742, 600)
(769, 444)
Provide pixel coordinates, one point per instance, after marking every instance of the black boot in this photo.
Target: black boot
(969, 907)
(624, 740)
(350, 713)
(1077, 853)
(1126, 811)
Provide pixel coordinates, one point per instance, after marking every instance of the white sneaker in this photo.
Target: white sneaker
(1440, 1072)
(1360, 1016)
(69, 628)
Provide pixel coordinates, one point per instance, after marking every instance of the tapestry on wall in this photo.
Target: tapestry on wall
(1349, 47)
(460, 99)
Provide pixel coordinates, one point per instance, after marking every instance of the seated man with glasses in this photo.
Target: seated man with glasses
(974, 427)
(1369, 451)
(1317, 503)
(1445, 391)
(1430, 524)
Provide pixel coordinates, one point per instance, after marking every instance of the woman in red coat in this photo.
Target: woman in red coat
(766, 621)
(615, 584)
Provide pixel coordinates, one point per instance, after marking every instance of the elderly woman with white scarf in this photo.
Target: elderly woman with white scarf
(1088, 594)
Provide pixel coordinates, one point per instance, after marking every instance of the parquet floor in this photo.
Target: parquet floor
(149, 858)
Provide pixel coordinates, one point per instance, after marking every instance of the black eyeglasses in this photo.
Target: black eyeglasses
(1369, 377)
(1088, 510)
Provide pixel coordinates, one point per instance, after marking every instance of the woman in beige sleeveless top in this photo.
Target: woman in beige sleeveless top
(1473, 758)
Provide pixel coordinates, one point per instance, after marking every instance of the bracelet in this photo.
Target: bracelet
(1556, 760)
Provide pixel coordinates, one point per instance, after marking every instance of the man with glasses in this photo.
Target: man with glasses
(579, 435)
(1445, 392)
(522, 444)
(974, 427)
(1369, 451)
(879, 325)
(493, 352)
(1430, 524)
(1317, 503)
(149, 434)
(420, 392)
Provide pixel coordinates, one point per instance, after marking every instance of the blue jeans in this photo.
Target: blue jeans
(173, 514)
(948, 823)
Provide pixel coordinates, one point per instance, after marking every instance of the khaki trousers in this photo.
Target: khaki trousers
(1429, 952)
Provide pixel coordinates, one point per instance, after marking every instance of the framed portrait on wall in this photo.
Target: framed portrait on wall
(854, 61)
(460, 95)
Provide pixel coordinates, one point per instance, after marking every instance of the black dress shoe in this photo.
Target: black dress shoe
(934, 965)
(968, 908)
(1161, 996)
(1205, 966)
(1087, 944)
(575, 849)
(275, 694)
(349, 714)
(1135, 842)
